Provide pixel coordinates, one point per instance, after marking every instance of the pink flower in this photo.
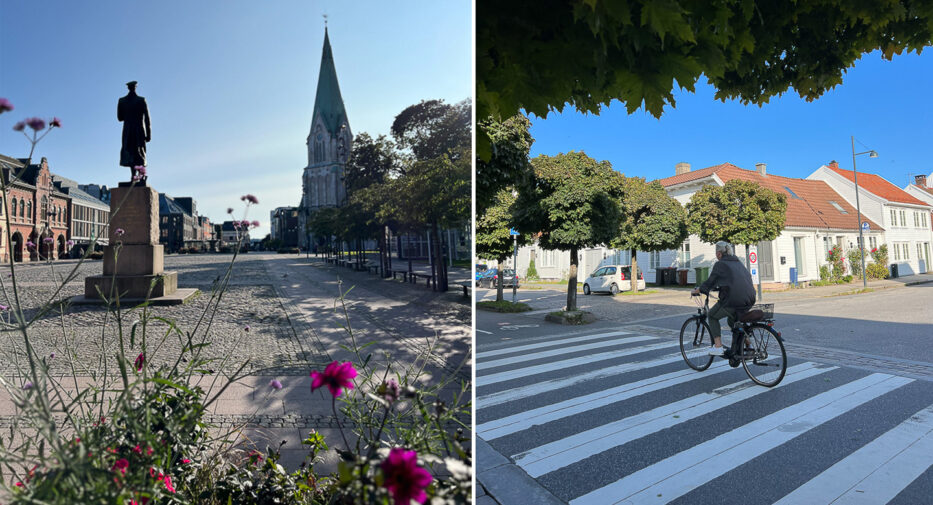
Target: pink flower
(139, 451)
(249, 198)
(186, 461)
(55, 123)
(255, 224)
(20, 126)
(229, 210)
(275, 384)
(5, 105)
(27, 386)
(403, 477)
(36, 123)
(389, 390)
(70, 243)
(255, 457)
(119, 232)
(246, 328)
(336, 376)
(120, 466)
(140, 361)
(30, 243)
(168, 483)
(48, 240)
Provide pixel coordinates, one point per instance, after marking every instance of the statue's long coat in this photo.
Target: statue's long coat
(134, 113)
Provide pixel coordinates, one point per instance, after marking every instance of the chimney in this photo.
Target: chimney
(833, 164)
(921, 180)
(761, 168)
(681, 168)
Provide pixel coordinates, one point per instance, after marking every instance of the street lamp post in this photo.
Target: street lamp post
(858, 210)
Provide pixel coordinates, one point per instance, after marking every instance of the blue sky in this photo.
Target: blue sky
(886, 105)
(230, 85)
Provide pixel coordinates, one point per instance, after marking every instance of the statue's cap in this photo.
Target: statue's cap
(131, 84)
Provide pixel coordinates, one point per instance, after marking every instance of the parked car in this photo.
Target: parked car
(510, 278)
(485, 278)
(480, 271)
(612, 279)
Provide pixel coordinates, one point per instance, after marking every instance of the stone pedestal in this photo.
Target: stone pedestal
(133, 262)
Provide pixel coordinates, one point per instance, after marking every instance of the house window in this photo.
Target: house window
(827, 244)
(655, 260)
(906, 251)
(872, 242)
(903, 218)
(836, 205)
(547, 258)
(685, 254)
(22, 208)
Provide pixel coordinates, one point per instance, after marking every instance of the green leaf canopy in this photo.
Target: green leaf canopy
(651, 220)
(740, 212)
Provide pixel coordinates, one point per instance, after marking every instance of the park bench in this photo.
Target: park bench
(415, 277)
(467, 286)
(403, 273)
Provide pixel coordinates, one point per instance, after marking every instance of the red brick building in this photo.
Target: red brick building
(38, 212)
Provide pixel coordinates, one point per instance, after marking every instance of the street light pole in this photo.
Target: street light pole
(514, 271)
(858, 210)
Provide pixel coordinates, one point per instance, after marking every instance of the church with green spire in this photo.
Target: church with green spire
(329, 143)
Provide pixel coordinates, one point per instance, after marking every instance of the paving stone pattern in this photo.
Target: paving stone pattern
(249, 300)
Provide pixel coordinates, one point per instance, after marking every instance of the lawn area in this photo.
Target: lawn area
(503, 306)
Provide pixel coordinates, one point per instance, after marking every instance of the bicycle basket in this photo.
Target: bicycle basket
(766, 308)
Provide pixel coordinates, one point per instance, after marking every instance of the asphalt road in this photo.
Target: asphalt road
(609, 413)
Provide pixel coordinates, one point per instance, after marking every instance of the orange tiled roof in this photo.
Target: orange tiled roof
(812, 208)
(877, 185)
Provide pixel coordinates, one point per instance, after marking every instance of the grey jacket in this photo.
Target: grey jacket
(735, 286)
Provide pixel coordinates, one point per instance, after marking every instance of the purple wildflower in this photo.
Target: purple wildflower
(119, 232)
(275, 384)
(20, 126)
(255, 224)
(5, 105)
(229, 210)
(249, 198)
(70, 243)
(36, 123)
(140, 361)
(29, 243)
(55, 123)
(27, 386)
(4, 308)
(246, 329)
(403, 477)
(52, 356)
(48, 240)
(389, 390)
(336, 376)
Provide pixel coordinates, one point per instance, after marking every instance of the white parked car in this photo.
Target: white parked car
(612, 279)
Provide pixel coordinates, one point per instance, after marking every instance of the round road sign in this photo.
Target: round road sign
(753, 258)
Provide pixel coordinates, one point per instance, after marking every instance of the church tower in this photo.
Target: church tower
(329, 143)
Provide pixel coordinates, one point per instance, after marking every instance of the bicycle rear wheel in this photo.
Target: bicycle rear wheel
(694, 344)
(763, 356)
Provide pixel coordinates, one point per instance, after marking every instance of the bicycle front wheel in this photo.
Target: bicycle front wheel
(694, 344)
(763, 356)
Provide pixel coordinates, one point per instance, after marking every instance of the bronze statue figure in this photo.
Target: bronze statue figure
(133, 112)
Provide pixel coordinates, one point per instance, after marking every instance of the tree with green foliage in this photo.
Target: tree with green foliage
(541, 55)
(433, 189)
(371, 163)
(573, 202)
(740, 212)
(493, 240)
(508, 166)
(651, 221)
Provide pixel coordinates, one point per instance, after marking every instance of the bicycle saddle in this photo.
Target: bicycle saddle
(752, 316)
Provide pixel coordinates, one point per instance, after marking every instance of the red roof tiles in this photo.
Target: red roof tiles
(811, 208)
(877, 185)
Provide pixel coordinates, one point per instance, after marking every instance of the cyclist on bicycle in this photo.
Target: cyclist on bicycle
(736, 292)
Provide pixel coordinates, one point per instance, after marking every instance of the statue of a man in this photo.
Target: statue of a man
(133, 112)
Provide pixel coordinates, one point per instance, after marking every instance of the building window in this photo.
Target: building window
(906, 251)
(547, 258)
(29, 210)
(685, 254)
(872, 242)
(897, 252)
(893, 217)
(655, 260)
(903, 218)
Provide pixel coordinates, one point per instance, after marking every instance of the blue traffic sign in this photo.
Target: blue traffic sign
(513, 232)
(865, 226)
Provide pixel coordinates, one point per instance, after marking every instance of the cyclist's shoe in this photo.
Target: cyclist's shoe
(716, 351)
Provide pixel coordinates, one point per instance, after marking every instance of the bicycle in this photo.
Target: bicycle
(762, 348)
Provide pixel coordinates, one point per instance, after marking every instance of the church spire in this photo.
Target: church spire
(328, 103)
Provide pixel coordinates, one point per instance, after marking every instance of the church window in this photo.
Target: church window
(29, 210)
(44, 210)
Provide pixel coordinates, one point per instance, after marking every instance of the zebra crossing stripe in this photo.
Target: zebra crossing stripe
(494, 378)
(878, 471)
(681, 473)
(554, 384)
(524, 420)
(560, 351)
(556, 455)
(546, 343)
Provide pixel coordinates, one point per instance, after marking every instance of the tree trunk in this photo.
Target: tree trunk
(572, 282)
(499, 283)
(442, 265)
(634, 270)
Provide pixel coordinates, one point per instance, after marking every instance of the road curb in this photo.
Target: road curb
(506, 483)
